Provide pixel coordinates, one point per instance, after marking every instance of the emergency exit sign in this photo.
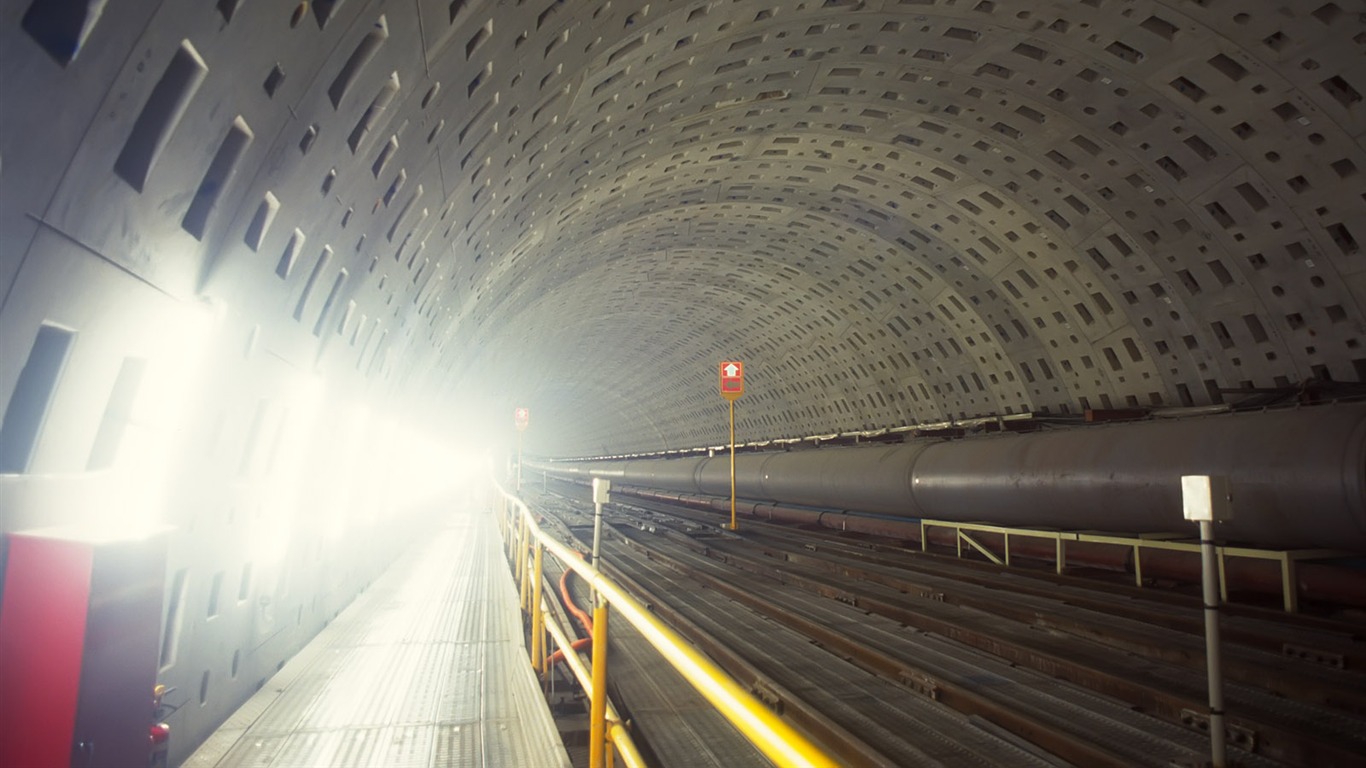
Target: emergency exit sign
(732, 373)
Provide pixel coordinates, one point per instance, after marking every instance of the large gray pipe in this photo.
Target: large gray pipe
(1298, 476)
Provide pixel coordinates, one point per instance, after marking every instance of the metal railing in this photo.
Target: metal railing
(527, 543)
(1288, 559)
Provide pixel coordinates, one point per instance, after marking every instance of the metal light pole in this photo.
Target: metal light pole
(601, 495)
(1205, 500)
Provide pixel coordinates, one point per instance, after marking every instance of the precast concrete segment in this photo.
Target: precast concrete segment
(1297, 476)
(896, 213)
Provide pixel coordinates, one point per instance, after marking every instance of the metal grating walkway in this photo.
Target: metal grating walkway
(426, 669)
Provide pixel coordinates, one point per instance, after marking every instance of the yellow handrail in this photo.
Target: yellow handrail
(777, 740)
(616, 731)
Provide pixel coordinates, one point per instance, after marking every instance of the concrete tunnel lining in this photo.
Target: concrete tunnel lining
(324, 231)
(1019, 207)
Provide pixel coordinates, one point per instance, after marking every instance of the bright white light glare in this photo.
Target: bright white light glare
(423, 469)
(334, 527)
(317, 467)
(341, 461)
(363, 470)
(309, 393)
(284, 485)
(160, 427)
(268, 540)
(469, 465)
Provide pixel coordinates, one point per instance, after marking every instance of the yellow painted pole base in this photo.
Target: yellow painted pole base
(597, 716)
(537, 626)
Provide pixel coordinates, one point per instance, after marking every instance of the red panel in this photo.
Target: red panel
(42, 632)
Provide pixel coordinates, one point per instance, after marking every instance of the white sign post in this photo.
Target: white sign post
(1206, 499)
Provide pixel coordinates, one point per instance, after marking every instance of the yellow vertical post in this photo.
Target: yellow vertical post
(1290, 584)
(523, 594)
(519, 461)
(733, 525)
(521, 564)
(1223, 578)
(537, 626)
(515, 522)
(597, 717)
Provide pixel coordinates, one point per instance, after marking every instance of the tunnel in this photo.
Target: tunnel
(276, 276)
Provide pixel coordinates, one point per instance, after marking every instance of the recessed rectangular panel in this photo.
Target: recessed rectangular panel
(62, 26)
(160, 115)
(216, 178)
(117, 412)
(28, 406)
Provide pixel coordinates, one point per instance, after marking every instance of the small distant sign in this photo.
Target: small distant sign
(521, 417)
(732, 374)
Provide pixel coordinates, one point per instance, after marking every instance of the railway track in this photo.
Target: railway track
(894, 657)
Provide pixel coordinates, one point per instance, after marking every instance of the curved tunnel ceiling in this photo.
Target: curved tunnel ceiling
(893, 212)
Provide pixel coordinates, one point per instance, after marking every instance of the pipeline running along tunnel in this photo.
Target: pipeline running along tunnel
(274, 278)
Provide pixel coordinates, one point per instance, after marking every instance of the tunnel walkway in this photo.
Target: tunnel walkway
(426, 668)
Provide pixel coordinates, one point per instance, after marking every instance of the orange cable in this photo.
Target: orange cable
(584, 619)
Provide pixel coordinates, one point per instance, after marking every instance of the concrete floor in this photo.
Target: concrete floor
(426, 668)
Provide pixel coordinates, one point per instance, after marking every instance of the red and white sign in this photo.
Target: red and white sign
(521, 417)
(732, 374)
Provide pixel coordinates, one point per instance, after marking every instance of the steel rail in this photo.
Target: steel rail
(1255, 727)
